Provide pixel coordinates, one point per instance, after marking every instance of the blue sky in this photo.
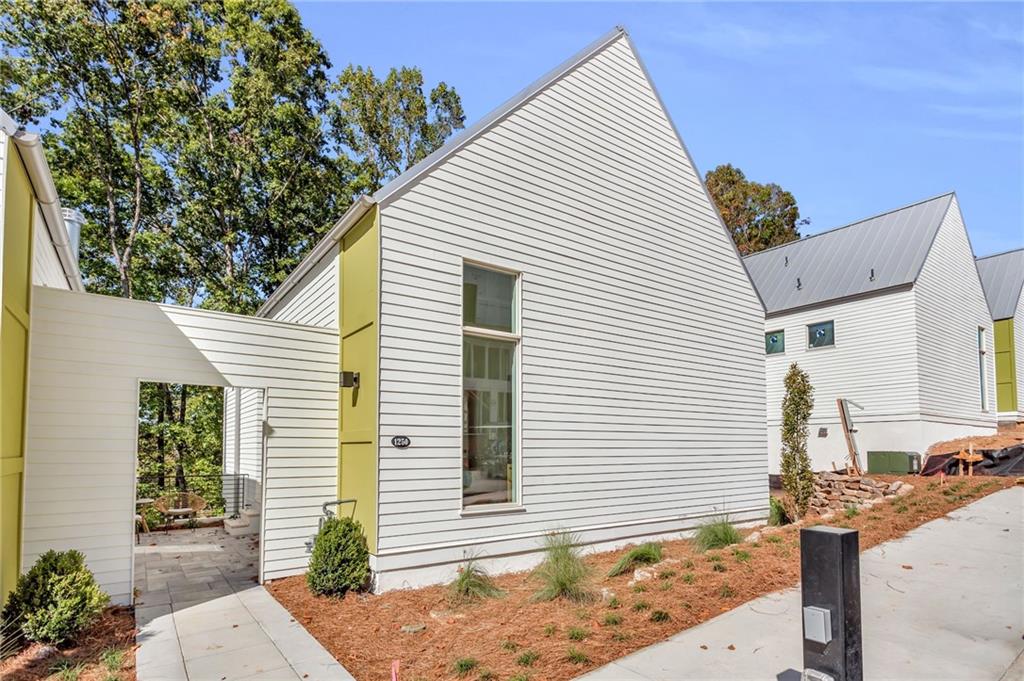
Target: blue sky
(855, 108)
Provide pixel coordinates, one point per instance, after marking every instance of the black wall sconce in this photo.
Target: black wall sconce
(348, 379)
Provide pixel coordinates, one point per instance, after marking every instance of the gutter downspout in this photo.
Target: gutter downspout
(30, 147)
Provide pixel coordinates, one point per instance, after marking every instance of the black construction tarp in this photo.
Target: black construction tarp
(1008, 462)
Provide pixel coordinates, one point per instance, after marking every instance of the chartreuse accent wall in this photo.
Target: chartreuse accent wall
(18, 209)
(1006, 366)
(359, 322)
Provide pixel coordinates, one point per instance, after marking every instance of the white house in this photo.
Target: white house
(1002, 276)
(889, 314)
(544, 325)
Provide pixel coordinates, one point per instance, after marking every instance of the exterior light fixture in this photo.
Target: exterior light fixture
(348, 379)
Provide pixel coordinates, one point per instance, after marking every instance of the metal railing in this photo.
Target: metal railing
(225, 493)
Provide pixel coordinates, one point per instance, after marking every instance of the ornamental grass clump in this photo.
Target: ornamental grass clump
(716, 533)
(55, 600)
(563, 574)
(472, 584)
(340, 562)
(645, 554)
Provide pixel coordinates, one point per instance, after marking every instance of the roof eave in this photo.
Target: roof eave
(895, 288)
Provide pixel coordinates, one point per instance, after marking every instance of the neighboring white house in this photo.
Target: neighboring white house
(544, 326)
(889, 314)
(1002, 275)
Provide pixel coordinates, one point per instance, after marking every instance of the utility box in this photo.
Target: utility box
(894, 463)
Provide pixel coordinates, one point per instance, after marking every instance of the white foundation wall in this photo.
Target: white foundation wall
(89, 353)
(951, 307)
(642, 394)
(873, 363)
(1018, 344)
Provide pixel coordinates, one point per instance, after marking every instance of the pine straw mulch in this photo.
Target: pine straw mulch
(1005, 436)
(114, 629)
(364, 631)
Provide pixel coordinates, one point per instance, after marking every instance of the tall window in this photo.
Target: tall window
(821, 335)
(981, 368)
(490, 340)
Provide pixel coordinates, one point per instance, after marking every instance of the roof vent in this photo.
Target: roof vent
(73, 220)
(872, 277)
(798, 284)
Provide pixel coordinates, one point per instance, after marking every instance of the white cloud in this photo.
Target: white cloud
(988, 113)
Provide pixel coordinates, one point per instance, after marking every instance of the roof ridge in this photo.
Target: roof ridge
(496, 115)
(996, 255)
(855, 223)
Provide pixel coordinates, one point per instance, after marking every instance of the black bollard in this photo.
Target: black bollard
(830, 586)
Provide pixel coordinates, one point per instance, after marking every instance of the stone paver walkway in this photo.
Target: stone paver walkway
(956, 614)
(202, 616)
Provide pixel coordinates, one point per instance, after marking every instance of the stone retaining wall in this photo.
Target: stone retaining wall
(835, 491)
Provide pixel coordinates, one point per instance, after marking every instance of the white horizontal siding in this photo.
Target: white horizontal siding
(88, 355)
(641, 358)
(313, 300)
(951, 307)
(46, 267)
(243, 447)
(1018, 344)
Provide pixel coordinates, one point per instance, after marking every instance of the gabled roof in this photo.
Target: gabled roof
(878, 253)
(1002, 277)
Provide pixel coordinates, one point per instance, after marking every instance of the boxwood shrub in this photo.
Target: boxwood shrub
(56, 599)
(340, 560)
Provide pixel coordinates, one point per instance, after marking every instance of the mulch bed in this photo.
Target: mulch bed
(1006, 436)
(114, 629)
(364, 631)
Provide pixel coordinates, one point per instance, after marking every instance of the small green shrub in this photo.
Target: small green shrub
(639, 588)
(56, 599)
(726, 591)
(340, 562)
(688, 578)
(472, 583)
(577, 634)
(487, 675)
(741, 556)
(614, 602)
(527, 658)
(577, 656)
(550, 629)
(773, 539)
(510, 646)
(65, 670)
(665, 586)
(777, 515)
(667, 574)
(660, 616)
(153, 517)
(464, 665)
(688, 564)
(851, 511)
(640, 606)
(714, 558)
(902, 508)
(620, 636)
(563, 573)
(716, 533)
(718, 567)
(645, 554)
(612, 619)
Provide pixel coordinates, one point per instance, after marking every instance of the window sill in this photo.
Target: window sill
(821, 347)
(495, 509)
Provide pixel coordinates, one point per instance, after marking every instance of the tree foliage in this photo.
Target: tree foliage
(797, 405)
(204, 140)
(759, 216)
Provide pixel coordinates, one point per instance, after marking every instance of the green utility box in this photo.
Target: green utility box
(895, 463)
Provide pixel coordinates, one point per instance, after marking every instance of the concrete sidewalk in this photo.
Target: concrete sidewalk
(957, 614)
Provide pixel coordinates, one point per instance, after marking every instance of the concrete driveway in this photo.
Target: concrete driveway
(957, 614)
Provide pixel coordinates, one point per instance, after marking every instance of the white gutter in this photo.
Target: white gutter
(353, 215)
(30, 146)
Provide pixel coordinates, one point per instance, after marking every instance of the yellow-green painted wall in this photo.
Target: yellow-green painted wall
(357, 450)
(1006, 366)
(16, 282)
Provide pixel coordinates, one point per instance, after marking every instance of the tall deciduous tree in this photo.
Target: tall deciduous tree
(797, 405)
(758, 215)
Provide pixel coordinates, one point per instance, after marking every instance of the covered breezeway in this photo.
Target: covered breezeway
(88, 354)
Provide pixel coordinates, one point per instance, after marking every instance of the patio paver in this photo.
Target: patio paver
(202, 616)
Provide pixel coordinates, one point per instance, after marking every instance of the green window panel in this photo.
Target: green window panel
(775, 342)
(822, 334)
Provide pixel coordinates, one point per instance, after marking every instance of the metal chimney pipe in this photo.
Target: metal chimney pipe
(74, 220)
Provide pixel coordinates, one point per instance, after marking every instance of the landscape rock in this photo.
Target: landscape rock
(43, 652)
(651, 571)
(904, 490)
(753, 537)
(606, 594)
(413, 628)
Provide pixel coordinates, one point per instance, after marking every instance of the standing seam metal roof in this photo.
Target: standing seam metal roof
(1002, 277)
(877, 253)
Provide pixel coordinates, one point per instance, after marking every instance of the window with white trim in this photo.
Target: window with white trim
(490, 349)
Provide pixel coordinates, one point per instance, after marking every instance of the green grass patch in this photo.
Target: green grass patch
(688, 578)
(577, 656)
(66, 671)
(741, 556)
(620, 636)
(464, 665)
(614, 602)
(645, 554)
(665, 586)
(612, 619)
(112, 659)
(563, 574)
(640, 606)
(487, 675)
(851, 511)
(718, 567)
(902, 508)
(550, 629)
(471, 584)
(666, 574)
(726, 591)
(527, 658)
(519, 677)
(577, 634)
(688, 564)
(639, 588)
(773, 539)
(660, 616)
(716, 533)
(510, 646)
